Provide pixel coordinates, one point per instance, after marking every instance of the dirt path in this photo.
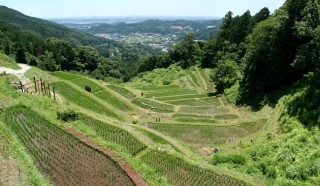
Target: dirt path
(135, 177)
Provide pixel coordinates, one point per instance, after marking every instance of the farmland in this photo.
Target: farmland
(147, 125)
(60, 156)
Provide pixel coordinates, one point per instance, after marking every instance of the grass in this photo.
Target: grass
(203, 110)
(253, 126)
(156, 106)
(170, 93)
(226, 116)
(155, 138)
(122, 91)
(82, 100)
(179, 172)
(83, 82)
(189, 102)
(38, 73)
(114, 101)
(66, 76)
(115, 134)
(174, 98)
(200, 135)
(8, 62)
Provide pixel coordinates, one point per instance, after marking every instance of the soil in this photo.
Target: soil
(135, 177)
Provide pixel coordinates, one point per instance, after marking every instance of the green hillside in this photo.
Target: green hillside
(241, 109)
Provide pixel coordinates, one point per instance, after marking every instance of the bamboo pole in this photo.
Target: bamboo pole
(35, 84)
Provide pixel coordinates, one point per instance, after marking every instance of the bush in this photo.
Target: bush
(228, 158)
(67, 116)
(87, 88)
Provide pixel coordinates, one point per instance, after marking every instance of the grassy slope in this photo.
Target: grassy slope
(6, 61)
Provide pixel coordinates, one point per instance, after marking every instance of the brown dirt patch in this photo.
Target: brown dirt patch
(135, 177)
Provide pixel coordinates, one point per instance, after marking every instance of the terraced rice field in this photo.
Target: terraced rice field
(83, 82)
(109, 98)
(203, 110)
(200, 135)
(115, 135)
(64, 159)
(66, 76)
(122, 91)
(179, 172)
(82, 99)
(153, 105)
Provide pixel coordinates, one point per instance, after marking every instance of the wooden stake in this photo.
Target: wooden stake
(35, 84)
(44, 89)
(54, 94)
(49, 93)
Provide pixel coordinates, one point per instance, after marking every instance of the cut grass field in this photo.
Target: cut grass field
(226, 117)
(82, 99)
(122, 91)
(195, 120)
(66, 75)
(205, 75)
(159, 88)
(200, 135)
(179, 172)
(83, 82)
(61, 156)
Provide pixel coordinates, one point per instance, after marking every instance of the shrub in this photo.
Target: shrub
(87, 88)
(228, 158)
(67, 116)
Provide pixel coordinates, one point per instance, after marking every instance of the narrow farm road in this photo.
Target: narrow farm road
(18, 73)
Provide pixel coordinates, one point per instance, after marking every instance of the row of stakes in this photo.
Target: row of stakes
(39, 87)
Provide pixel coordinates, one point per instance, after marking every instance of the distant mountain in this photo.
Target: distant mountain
(45, 28)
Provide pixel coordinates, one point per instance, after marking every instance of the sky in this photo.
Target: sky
(97, 8)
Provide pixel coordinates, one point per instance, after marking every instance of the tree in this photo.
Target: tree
(226, 74)
(262, 15)
(47, 62)
(209, 53)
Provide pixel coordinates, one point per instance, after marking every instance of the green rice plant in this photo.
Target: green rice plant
(122, 91)
(156, 139)
(114, 101)
(189, 96)
(203, 110)
(179, 115)
(115, 135)
(226, 116)
(195, 120)
(200, 135)
(83, 82)
(188, 102)
(159, 88)
(64, 159)
(82, 99)
(180, 172)
(170, 93)
(155, 106)
(65, 75)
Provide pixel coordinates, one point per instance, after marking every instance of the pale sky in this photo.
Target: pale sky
(96, 8)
